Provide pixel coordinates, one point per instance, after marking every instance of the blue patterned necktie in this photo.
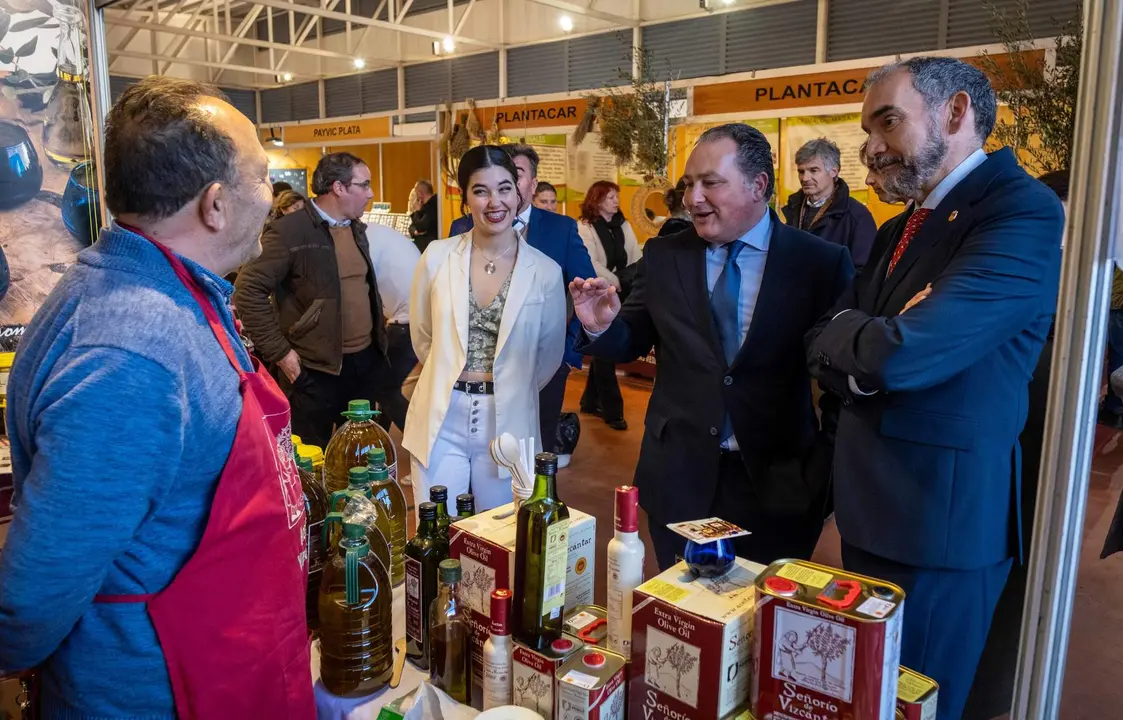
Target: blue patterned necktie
(725, 302)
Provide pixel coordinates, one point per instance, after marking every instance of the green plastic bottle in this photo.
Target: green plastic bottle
(356, 625)
(352, 442)
(386, 492)
(316, 507)
(424, 553)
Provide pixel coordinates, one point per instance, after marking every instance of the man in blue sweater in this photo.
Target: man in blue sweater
(124, 414)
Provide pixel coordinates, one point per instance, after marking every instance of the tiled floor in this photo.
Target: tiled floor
(1094, 678)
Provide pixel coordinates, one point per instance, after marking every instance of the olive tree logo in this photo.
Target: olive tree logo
(672, 666)
(530, 689)
(476, 585)
(814, 653)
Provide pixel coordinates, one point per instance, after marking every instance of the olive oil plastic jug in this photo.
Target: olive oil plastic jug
(352, 442)
(356, 626)
(386, 492)
(316, 507)
(354, 506)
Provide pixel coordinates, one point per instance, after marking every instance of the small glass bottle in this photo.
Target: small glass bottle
(424, 554)
(541, 553)
(497, 653)
(439, 494)
(387, 493)
(465, 505)
(448, 635)
(625, 569)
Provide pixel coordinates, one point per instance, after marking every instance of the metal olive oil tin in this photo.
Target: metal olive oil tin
(591, 686)
(588, 622)
(917, 696)
(827, 645)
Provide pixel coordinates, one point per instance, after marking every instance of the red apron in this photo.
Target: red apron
(232, 622)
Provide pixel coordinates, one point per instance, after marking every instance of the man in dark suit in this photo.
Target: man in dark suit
(932, 350)
(731, 430)
(556, 235)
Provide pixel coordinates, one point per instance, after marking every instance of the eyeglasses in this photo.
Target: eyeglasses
(364, 185)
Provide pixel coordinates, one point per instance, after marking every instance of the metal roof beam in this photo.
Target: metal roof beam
(305, 30)
(204, 35)
(199, 63)
(587, 12)
(359, 20)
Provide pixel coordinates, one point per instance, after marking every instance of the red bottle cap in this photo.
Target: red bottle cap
(627, 508)
(781, 586)
(594, 660)
(561, 645)
(500, 610)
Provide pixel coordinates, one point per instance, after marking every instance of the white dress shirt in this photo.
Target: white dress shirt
(395, 258)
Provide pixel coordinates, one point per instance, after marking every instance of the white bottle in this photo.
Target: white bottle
(497, 653)
(625, 570)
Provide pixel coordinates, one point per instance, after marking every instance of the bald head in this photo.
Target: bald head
(182, 163)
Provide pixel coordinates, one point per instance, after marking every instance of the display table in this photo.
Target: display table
(330, 707)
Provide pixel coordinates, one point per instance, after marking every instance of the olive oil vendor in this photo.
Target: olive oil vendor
(156, 561)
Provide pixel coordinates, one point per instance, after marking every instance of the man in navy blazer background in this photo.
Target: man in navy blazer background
(932, 350)
(556, 236)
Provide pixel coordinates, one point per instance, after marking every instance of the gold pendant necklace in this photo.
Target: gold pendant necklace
(489, 265)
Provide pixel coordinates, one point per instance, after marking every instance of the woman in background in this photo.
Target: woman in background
(487, 320)
(679, 218)
(614, 251)
(286, 202)
(545, 197)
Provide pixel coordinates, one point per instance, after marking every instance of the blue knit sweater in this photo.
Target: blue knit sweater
(122, 410)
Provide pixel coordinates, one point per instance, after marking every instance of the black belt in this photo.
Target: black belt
(475, 387)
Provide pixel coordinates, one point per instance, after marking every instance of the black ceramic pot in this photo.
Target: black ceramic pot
(21, 175)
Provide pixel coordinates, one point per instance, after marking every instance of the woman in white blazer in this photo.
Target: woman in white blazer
(487, 320)
(613, 249)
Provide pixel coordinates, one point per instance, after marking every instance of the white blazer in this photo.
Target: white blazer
(596, 250)
(527, 355)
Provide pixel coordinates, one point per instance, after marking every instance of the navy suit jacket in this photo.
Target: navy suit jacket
(766, 390)
(556, 236)
(927, 470)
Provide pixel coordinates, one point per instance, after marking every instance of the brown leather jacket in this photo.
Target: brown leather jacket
(289, 297)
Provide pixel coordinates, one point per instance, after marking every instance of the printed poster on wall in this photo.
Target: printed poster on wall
(587, 163)
(48, 188)
(844, 130)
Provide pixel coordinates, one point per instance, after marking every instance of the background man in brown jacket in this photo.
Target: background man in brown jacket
(323, 327)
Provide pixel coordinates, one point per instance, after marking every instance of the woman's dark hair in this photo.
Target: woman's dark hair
(283, 201)
(598, 191)
(544, 186)
(1057, 180)
(279, 187)
(479, 158)
(673, 198)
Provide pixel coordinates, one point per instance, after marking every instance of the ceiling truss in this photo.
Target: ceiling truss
(208, 33)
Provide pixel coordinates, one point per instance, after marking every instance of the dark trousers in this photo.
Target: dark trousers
(1112, 401)
(399, 354)
(549, 408)
(774, 536)
(318, 399)
(602, 390)
(947, 615)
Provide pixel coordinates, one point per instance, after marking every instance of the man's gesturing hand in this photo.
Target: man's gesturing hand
(595, 303)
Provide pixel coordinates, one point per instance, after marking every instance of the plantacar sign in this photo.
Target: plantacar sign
(534, 115)
(832, 88)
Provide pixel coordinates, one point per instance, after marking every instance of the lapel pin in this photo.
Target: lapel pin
(953, 216)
